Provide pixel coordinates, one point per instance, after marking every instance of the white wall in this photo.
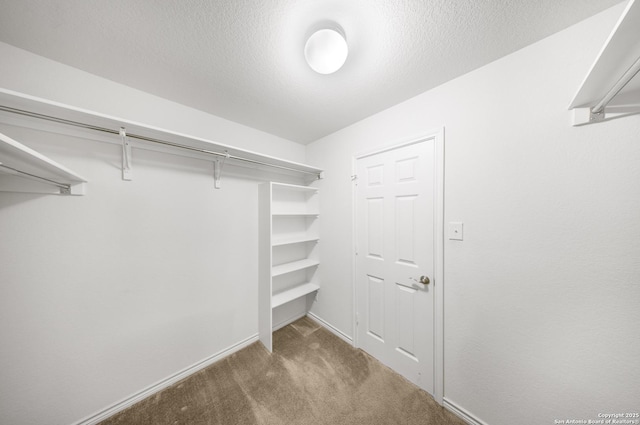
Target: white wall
(103, 295)
(541, 298)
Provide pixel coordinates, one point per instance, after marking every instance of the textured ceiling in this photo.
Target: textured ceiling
(243, 59)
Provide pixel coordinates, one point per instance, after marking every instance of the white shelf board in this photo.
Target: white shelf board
(294, 293)
(17, 156)
(32, 104)
(294, 214)
(619, 53)
(294, 240)
(293, 266)
(295, 187)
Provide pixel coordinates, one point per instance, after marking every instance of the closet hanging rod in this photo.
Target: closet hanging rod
(65, 187)
(150, 139)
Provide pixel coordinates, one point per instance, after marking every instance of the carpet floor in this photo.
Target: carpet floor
(311, 378)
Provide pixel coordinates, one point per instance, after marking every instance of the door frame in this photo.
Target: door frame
(438, 278)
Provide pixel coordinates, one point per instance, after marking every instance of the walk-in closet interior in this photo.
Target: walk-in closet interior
(447, 193)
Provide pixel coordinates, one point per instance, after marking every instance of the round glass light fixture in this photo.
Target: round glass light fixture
(326, 51)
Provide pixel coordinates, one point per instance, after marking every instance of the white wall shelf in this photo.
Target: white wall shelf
(16, 108)
(295, 188)
(291, 294)
(294, 240)
(22, 169)
(288, 253)
(293, 266)
(611, 89)
(295, 214)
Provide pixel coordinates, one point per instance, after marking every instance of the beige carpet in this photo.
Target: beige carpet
(312, 377)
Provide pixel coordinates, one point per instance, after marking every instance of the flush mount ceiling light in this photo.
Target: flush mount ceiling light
(326, 51)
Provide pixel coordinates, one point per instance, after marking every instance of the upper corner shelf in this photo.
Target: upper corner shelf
(24, 170)
(147, 137)
(295, 188)
(610, 89)
(290, 200)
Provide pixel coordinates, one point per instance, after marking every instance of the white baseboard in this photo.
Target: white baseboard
(337, 332)
(461, 413)
(160, 385)
(287, 321)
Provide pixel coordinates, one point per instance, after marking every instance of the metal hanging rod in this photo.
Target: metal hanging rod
(150, 139)
(66, 188)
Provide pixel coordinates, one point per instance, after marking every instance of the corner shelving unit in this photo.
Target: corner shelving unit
(24, 170)
(289, 236)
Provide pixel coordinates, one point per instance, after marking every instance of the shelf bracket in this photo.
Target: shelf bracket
(582, 116)
(127, 173)
(217, 169)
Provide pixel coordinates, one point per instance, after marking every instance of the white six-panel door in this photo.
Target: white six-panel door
(395, 224)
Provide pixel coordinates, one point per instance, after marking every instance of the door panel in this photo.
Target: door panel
(375, 219)
(375, 318)
(405, 227)
(395, 246)
(405, 300)
(375, 175)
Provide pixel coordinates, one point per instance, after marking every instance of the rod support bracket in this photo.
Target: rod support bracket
(217, 169)
(596, 116)
(582, 116)
(127, 172)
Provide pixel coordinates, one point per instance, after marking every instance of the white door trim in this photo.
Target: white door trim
(438, 137)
